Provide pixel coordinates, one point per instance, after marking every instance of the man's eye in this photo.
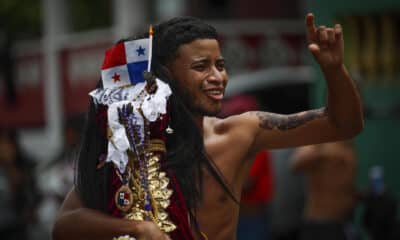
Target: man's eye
(199, 68)
(221, 66)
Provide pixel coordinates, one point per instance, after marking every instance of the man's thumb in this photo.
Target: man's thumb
(315, 50)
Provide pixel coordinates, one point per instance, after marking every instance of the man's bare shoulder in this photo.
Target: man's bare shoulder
(214, 125)
(222, 125)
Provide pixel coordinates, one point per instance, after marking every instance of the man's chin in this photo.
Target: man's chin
(207, 112)
(206, 109)
(211, 113)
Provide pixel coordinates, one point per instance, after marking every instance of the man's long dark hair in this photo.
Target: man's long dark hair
(186, 152)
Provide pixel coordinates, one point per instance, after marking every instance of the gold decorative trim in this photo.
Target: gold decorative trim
(156, 145)
(158, 188)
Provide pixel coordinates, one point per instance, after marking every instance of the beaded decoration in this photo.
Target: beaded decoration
(146, 187)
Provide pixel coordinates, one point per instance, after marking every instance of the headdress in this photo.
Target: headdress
(134, 103)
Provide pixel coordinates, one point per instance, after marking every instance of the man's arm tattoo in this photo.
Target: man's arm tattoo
(287, 122)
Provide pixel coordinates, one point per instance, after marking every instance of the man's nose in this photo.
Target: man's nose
(216, 76)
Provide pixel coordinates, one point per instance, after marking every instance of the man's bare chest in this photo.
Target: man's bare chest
(229, 155)
(218, 213)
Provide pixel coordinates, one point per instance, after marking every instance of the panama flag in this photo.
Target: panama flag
(124, 63)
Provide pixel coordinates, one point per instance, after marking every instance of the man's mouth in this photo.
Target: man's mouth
(216, 94)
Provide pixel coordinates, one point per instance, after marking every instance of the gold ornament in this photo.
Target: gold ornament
(124, 198)
(157, 186)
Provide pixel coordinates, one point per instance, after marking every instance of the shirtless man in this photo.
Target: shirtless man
(330, 170)
(231, 143)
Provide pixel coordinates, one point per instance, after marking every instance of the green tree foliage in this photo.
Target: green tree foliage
(20, 18)
(90, 14)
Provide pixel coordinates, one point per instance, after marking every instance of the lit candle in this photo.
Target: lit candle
(150, 47)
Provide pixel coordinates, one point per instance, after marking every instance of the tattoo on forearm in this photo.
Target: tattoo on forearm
(286, 122)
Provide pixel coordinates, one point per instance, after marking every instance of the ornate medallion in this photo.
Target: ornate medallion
(124, 198)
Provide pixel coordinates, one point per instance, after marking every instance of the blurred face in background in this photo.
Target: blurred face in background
(8, 150)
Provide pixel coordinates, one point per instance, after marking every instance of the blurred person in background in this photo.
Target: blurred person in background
(288, 201)
(187, 55)
(380, 218)
(331, 194)
(258, 187)
(18, 192)
(57, 176)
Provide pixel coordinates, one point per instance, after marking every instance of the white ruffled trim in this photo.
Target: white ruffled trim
(152, 106)
(156, 104)
(108, 96)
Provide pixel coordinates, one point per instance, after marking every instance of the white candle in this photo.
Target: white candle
(150, 47)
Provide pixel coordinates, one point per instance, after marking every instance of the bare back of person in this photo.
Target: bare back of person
(331, 182)
(330, 175)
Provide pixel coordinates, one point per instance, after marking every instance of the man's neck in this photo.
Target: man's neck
(199, 122)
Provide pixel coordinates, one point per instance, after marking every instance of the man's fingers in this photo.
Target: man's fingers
(310, 27)
(331, 36)
(338, 32)
(323, 35)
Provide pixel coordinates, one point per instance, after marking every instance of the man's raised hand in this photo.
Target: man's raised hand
(326, 44)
